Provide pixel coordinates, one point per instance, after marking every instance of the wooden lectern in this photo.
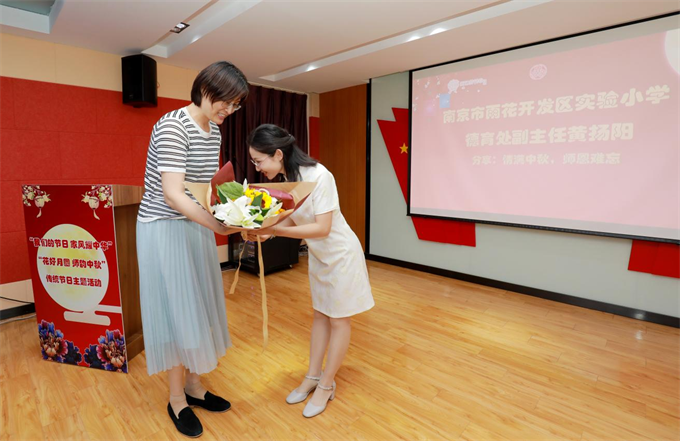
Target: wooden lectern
(126, 200)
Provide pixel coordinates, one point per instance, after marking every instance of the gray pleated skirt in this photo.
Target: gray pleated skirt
(181, 295)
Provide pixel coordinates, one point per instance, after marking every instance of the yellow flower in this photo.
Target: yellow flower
(267, 200)
(251, 194)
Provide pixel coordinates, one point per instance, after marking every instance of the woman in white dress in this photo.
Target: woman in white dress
(338, 278)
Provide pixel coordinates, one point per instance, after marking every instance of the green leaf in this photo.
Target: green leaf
(231, 190)
(257, 202)
(221, 195)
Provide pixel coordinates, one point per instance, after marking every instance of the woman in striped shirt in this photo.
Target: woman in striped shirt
(181, 293)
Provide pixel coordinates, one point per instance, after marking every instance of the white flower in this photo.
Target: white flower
(236, 213)
(273, 209)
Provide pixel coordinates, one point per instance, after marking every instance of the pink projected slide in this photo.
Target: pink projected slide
(586, 139)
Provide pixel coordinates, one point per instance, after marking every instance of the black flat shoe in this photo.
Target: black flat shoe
(210, 402)
(188, 423)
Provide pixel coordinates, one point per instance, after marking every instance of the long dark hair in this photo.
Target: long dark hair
(268, 138)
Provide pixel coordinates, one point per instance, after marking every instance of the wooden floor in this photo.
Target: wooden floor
(435, 359)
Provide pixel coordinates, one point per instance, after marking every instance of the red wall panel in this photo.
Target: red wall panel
(54, 133)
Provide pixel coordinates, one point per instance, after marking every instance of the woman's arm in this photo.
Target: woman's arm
(176, 198)
(321, 227)
(287, 222)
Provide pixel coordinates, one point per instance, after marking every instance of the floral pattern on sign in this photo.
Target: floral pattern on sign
(98, 194)
(33, 193)
(54, 347)
(109, 352)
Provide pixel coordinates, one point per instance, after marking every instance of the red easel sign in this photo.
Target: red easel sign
(71, 241)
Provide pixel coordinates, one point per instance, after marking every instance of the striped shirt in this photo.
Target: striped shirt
(178, 144)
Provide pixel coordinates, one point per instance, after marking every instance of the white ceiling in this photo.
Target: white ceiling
(273, 36)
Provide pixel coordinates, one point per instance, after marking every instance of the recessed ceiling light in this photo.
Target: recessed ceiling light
(477, 16)
(179, 28)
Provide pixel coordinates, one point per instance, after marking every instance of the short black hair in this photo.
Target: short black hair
(221, 81)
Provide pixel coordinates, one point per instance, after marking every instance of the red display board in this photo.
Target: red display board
(395, 135)
(70, 234)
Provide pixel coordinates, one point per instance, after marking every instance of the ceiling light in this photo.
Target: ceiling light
(179, 27)
(461, 21)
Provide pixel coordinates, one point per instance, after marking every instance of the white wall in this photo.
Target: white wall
(583, 266)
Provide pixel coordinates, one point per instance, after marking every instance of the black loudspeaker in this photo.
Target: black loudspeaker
(139, 81)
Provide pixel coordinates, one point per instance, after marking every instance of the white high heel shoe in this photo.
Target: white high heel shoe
(298, 397)
(311, 410)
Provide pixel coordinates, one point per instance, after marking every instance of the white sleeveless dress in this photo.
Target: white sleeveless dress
(338, 278)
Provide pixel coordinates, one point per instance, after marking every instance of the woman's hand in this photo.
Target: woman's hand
(253, 237)
(263, 233)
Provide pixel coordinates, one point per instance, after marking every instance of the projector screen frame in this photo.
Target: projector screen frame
(518, 225)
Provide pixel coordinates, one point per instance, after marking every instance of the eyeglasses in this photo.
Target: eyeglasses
(258, 163)
(232, 107)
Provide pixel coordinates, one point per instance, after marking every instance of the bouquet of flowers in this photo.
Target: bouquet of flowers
(249, 206)
(244, 206)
